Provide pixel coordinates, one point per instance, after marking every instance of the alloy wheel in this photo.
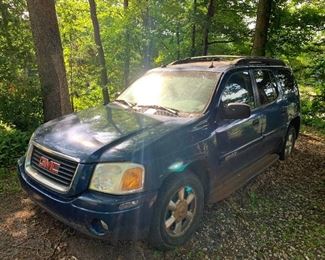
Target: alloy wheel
(180, 211)
(289, 144)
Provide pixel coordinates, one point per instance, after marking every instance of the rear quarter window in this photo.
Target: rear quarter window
(266, 86)
(286, 81)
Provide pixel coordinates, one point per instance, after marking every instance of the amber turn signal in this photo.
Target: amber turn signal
(132, 179)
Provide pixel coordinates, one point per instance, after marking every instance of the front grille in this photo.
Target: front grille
(65, 172)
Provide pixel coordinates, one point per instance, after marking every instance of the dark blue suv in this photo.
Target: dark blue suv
(181, 136)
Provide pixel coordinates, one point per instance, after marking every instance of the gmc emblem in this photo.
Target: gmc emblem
(51, 166)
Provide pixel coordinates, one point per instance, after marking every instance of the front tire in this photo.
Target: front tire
(178, 211)
(288, 144)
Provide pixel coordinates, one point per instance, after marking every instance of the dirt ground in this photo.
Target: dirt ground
(279, 215)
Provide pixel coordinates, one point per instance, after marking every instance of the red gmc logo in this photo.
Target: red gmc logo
(51, 166)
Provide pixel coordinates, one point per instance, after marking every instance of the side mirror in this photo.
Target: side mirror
(237, 111)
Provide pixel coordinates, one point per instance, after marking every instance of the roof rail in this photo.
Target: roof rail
(206, 58)
(237, 60)
(259, 61)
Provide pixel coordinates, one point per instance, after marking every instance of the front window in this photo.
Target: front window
(238, 89)
(186, 92)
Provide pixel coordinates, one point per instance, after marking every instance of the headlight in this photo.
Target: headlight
(30, 141)
(29, 151)
(117, 178)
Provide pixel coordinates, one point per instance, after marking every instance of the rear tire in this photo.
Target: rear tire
(178, 211)
(288, 144)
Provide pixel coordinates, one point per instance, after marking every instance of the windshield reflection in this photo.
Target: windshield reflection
(176, 91)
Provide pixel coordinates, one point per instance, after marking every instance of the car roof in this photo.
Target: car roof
(220, 63)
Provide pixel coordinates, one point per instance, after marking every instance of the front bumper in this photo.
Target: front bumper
(87, 211)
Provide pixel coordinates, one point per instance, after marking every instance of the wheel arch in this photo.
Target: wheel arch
(201, 170)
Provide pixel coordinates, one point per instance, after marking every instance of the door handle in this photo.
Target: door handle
(255, 122)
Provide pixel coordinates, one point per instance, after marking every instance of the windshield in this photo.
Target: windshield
(183, 91)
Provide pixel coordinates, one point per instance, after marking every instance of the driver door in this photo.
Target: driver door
(238, 140)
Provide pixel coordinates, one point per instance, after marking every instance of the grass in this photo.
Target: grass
(312, 107)
(9, 182)
(306, 129)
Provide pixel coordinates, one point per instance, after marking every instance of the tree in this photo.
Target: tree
(262, 27)
(101, 56)
(20, 95)
(210, 14)
(50, 62)
(193, 37)
(126, 46)
(147, 23)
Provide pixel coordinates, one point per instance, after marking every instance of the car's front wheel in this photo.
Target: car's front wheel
(178, 211)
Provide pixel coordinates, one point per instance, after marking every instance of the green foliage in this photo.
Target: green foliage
(20, 99)
(310, 70)
(295, 26)
(151, 33)
(13, 145)
(79, 52)
(20, 105)
(297, 35)
(159, 32)
(313, 109)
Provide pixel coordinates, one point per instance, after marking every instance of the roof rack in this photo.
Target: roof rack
(206, 58)
(237, 60)
(259, 61)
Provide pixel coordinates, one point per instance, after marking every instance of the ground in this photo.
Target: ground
(279, 214)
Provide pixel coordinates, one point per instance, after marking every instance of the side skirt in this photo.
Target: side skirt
(239, 179)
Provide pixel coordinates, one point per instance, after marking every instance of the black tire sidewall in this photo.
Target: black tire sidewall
(283, 155)
(158, 237)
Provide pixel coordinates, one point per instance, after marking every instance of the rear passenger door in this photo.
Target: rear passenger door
(272, 108)
(290, 92)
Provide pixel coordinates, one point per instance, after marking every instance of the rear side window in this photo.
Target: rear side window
(238, 89)
(285, 80)
(266, 86)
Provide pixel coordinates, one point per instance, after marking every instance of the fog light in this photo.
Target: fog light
(99, 227)
(129, 204)
(104, 225)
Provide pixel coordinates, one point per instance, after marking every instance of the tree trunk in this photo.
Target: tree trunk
(126, 47)
(178, 42)
(262, 26)
(100, 50)
(147, 20)
(193, 47)
(210, 14)
(50, 61)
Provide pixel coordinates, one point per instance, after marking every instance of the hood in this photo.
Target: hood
(89, 133)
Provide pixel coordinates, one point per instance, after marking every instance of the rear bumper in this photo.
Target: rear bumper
(87, 211)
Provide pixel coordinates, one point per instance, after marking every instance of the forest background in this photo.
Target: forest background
(137, 35)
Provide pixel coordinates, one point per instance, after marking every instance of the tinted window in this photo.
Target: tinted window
(266, 86)
(238, 89)
(285, 80)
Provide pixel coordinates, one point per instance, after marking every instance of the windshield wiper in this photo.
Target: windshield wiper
(124, 102)
(170, 110)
